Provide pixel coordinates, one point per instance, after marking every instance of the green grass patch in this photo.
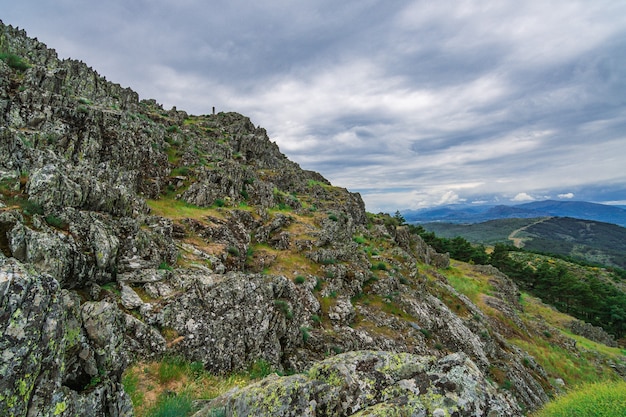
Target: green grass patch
(177, 209)
(359, 239)
(169, 387)
(284, 308)
(171, 406)
(14, 61)
(573, 368)
(170, 369)
(603, 399)
(180, 171)
(165, 266)
(260, 369)
(131, 386)
(471, 286)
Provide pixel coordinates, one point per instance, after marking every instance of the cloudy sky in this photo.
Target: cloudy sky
(411, 103)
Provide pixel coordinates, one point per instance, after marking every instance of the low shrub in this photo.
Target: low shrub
(260, 369)
(30, 207)
(305, 333)
(165, 266)
(283, 306)
(171, 406)
(381, 266)
(14, 61)
(57, 222)
(171, 369)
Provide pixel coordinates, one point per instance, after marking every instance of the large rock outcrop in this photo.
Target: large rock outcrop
(49, 365)
(372, 383)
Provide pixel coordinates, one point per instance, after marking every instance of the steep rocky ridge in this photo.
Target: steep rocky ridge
(129, 232)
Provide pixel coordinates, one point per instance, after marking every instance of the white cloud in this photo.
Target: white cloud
(449, 197)
(522, 197)
(566, 195)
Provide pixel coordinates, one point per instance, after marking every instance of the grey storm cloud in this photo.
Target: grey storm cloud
(410, 103)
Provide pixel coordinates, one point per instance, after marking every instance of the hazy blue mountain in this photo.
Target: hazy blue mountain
(471, 214)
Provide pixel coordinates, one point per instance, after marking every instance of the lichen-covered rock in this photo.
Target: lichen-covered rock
(591, 332)
(372, 383)
(38, 374)
(229, 321)
(129, 298)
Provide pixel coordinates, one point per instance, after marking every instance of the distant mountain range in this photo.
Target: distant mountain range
(548, 208)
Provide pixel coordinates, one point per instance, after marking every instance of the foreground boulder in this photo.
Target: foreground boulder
(371, 383)
(47, 365)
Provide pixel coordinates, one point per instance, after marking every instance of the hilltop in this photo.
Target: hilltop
(153, 258)
(590, 241)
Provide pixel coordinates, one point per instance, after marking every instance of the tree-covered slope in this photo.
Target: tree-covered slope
(592, 241)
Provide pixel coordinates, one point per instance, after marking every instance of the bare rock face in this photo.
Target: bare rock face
(591, 332)
(228, 321)
(372, 383)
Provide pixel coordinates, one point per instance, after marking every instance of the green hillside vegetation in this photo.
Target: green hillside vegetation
(590, 293)
(584, 295)
(606, 399)
(169, 386)
(458, 247)
(590, 241)
(487, 233)
(604, 243)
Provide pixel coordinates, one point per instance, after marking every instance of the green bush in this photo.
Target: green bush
(300, 279)
(15, 61)
(603, 399)
(283, 306)
(30, 208)
(164, 265)
(180, 171)
(233, 251)
(171, 406)
(359, 239)
(57, 222)
(381, 266)
(171, 369)
(260, 369)
(305, 333)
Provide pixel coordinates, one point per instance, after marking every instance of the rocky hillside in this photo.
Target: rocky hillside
(130, 233)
